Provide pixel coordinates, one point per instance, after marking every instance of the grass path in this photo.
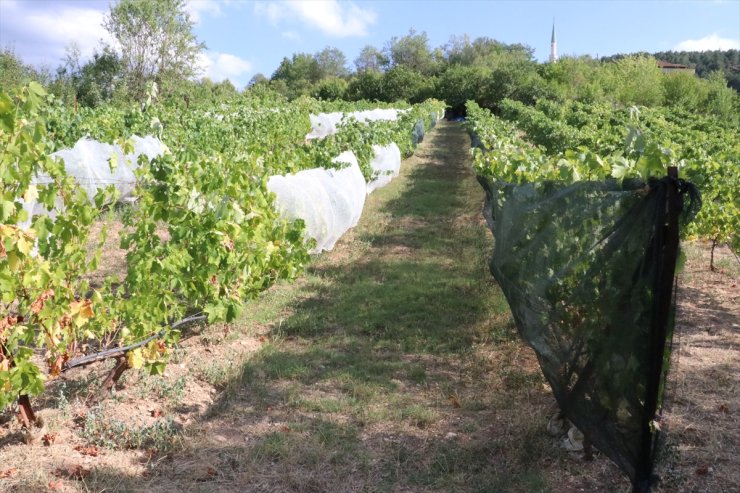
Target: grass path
(392, 365)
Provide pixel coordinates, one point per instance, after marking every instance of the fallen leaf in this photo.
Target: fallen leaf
(285, 429)
(262, 339)
(455, 400)
(74, 471)
(703, 470)
(55, 486)
(724, 409)
(91, 450)
(155, 413)
(49, 439)
(212, 471)
(8, 472)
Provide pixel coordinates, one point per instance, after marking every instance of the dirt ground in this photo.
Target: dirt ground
(327, 386)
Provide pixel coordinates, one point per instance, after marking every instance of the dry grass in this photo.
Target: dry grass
(391, 366)
(703, 439)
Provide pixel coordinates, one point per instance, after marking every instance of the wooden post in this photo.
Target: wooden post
(25, 412)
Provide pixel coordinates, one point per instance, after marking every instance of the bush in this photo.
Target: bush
(636, 81)
(684, 90)
(330, 89)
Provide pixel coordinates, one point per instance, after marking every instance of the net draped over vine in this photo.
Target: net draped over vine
(581, 268)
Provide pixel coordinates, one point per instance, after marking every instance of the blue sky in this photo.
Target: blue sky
(249, 37)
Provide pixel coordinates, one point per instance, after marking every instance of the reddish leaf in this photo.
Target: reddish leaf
(9, 321)
(155, 413)
(49, 439)
(8, 472)
(56, 365)
(38, 303)
(262, 339)
(91, 450)
(212, 471)
(55, 486)
(285, 429)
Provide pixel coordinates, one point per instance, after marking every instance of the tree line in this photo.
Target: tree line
(157, 45)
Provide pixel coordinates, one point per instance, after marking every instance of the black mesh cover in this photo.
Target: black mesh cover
(587, 270)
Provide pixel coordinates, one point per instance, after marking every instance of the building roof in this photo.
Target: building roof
(662, 64)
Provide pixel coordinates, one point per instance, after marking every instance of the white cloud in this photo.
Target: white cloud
(707, 43)
(196, 9)
(221, 66)
(272, 10)
(331, 17)
(40, 31)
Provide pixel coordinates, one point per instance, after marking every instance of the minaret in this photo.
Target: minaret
(553, 45)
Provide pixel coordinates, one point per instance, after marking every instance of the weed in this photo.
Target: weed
(100, 430)
(419, 415)
(160, 387)
(417, 374)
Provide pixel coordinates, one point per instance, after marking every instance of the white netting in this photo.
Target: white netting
(386, 163)
(325, 124)
(88, 162)
(329, 201)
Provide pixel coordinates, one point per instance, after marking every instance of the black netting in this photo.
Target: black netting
(587, 270)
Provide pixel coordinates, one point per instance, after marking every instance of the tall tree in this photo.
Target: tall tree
(331, 62)
(412, 51)
(371, 59)
(299, 73)
(157, 42)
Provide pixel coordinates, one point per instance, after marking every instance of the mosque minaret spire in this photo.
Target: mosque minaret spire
(553, 45)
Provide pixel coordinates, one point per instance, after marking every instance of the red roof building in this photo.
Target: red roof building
(667, 67)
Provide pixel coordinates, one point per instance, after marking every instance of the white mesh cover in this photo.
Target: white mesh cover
(325, 124)
(386, 163)
(88, 163)
(329, 201)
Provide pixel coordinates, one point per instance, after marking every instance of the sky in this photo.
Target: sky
(244, 38)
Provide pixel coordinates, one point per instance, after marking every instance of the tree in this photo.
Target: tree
(721, 100)
(461, 83)
(371, 59)
(15, 73)
(683, 90)
(574, 78)
(157, 42)
(366, 85)
(299, 73)
(412, 51)
(331, 62)
(330, 89)
(405, 84)
(258, 78)
(636, 80)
